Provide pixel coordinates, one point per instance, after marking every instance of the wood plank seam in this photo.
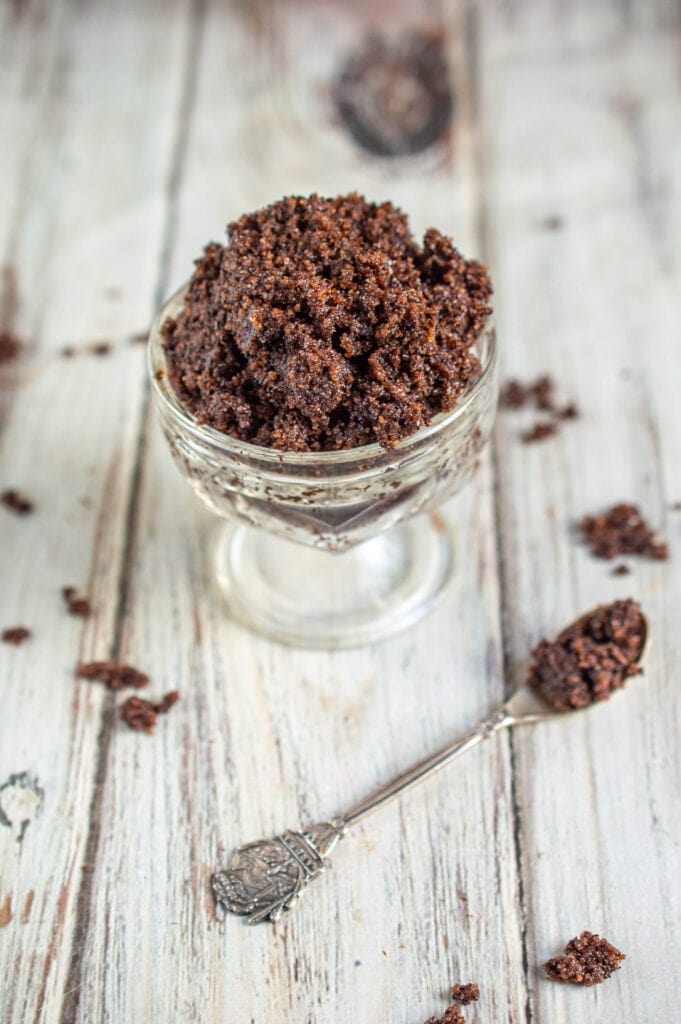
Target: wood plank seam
(71, 996)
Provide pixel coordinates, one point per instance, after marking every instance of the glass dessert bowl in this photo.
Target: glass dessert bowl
(329, 549)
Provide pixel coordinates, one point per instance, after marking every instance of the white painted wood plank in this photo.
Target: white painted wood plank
(266, 737)
(71, 438)
(596, 304)
(580, 119)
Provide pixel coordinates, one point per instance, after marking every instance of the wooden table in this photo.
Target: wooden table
(130, 134)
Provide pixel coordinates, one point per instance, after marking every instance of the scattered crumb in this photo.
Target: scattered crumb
(10, 346)
(591, 658)
(621, 570)
(676, 507)
(452, 1015)
(541, 430)
(542, 392)
(76, 605)
(15, 635)
(588, 960)
(140, 339)
(465, 994)
(513, 395)
(167, 702)
(100, 348)
(113, 675)
(621, 530)
(553, 222)
(16, 502)
(68, 352)
(540, 395)
(141, 714)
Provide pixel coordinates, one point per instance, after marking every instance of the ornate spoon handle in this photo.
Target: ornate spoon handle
(428, 766)
(266, 877)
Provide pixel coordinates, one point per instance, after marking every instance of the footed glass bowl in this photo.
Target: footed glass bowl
(329, 549)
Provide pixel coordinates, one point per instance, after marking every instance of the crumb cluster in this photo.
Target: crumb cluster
(141, 714)
(112, 675)
(540, 395)
(465, 994)
(621, 530)
(587, 960)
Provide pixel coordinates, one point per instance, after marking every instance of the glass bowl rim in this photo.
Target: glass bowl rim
(158, 373)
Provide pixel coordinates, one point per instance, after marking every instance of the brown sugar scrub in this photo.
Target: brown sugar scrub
(141, 714)
(452, 1015)
(16, 502)
(465, 994)
(587, 960)
(323, 325)
(15, 635)
(112, 675)
(591, 658)
(621, 530)
(75, 604)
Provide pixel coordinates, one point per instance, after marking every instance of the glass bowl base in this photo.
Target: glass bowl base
(309, 597)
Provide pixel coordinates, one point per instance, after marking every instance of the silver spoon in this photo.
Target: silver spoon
(265, 878)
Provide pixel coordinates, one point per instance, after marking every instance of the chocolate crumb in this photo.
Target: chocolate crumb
(68, 352)
(621, 530)
(140, 714)
(591, 658)
(588, 960)
(621, 570)
(15, 635)
(322, 325)
(113, 675)
(100, 348)
(16, 502)
(676, 507)
(541, 430)
(452, 1015)
(76, 605)
(10, 346)
(139, 339)
(465, 994)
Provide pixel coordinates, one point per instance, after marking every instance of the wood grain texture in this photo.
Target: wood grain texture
(139, 133)
(601, 825)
